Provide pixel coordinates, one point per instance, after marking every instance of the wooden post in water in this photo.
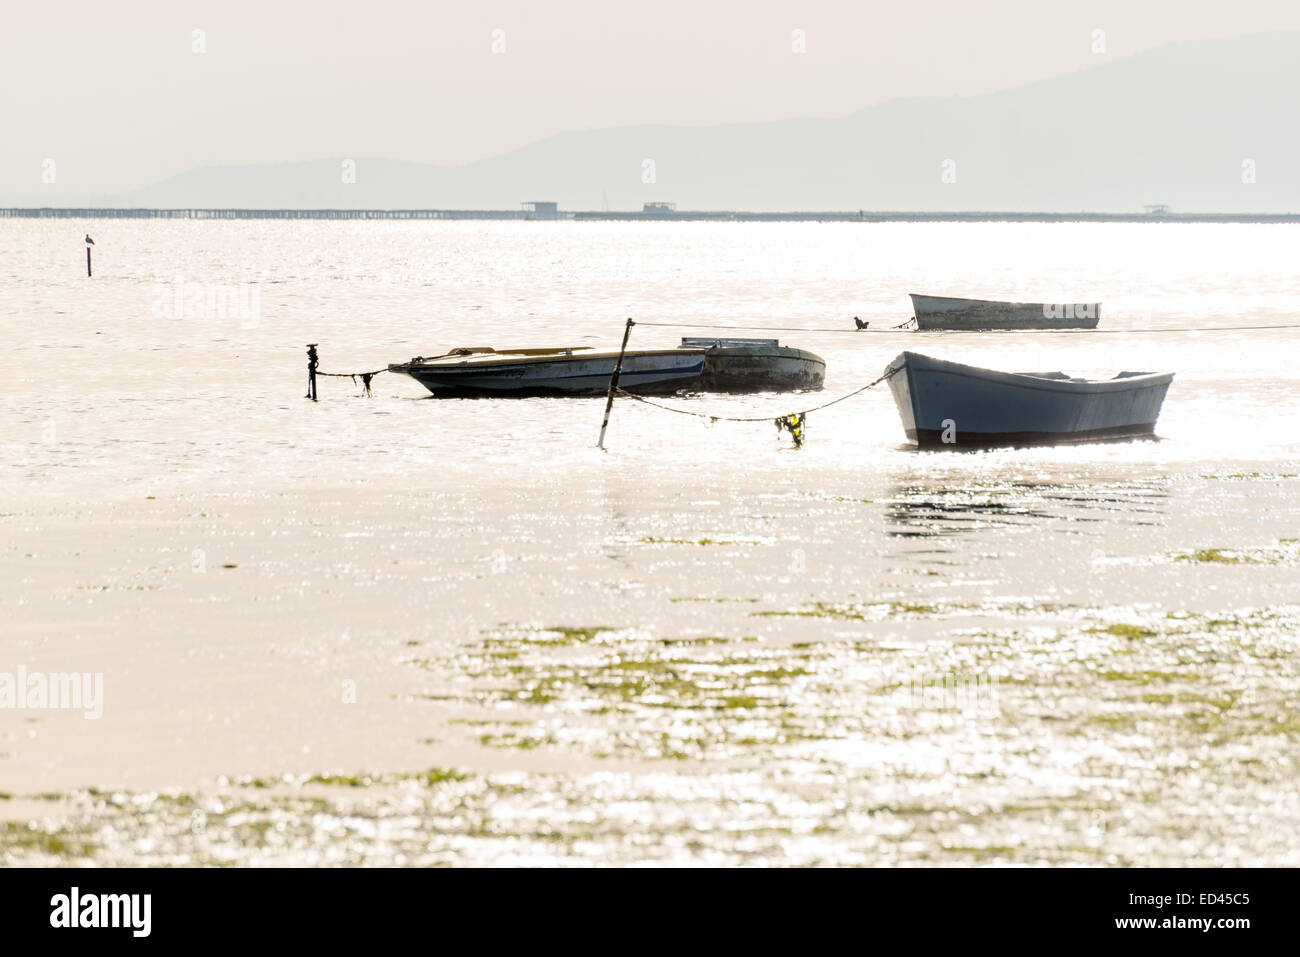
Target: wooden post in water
(613, 383)
(87, 260)
(312, 363)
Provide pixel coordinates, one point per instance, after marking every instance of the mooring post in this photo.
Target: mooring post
(87, 260)
(613, 382)
(312, 363)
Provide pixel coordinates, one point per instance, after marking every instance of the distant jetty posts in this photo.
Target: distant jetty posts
(538, 210)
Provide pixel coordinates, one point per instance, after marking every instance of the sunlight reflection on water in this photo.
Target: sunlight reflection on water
(694, 647)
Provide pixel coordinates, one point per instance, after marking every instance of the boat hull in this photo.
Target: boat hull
(948, 405)
(757, 365)
(974, 315)
(568, 375)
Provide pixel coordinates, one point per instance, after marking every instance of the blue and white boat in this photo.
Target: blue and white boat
(483, 371)
(950, 405)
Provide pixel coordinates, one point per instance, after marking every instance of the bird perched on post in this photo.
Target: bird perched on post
(89, 241)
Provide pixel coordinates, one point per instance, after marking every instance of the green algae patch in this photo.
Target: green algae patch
(1216, 555)
(1249, 621)
(1250, 476)
(345, 780)
(429, 778)
(1131, 632)
(20, 838)
(716, 601)
(551, 635)
(907, 608)
(696, 541)
(1284, 551)
(519, 741)
(866, 611)
(1141, 677)
(630, 694)
(568, 635)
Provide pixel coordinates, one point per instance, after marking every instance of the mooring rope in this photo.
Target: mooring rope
(365, 377)
(911, 322)
(760, 418)
(705, 325)
(1287, 325)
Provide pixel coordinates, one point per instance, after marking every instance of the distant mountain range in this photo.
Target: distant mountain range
(1190, 125)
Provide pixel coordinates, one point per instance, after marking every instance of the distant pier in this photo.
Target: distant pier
(95, 212)
(660, 213)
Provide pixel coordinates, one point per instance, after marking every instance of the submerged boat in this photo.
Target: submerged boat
(945, 312)
(756, 365)
(483, 371)
(946, 404)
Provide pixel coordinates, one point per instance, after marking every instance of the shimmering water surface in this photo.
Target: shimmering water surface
(404, 630)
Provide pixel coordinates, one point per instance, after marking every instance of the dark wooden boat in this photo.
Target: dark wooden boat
(756, 365)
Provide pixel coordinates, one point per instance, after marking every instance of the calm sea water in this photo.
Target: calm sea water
(402, 630)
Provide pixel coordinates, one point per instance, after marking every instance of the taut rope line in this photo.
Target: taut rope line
(705, 325)
(905, 326)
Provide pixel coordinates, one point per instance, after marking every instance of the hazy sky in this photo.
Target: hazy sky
(116, 95)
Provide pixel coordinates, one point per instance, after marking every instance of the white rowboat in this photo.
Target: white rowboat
(945, 312)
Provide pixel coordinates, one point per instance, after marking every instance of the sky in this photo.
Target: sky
(120, 96)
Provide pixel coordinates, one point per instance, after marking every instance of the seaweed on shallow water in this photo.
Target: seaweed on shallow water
(815, 752)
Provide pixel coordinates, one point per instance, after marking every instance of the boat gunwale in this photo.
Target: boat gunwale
(489, 359)
(781, 352)
(1029, 381)
(996, 302)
